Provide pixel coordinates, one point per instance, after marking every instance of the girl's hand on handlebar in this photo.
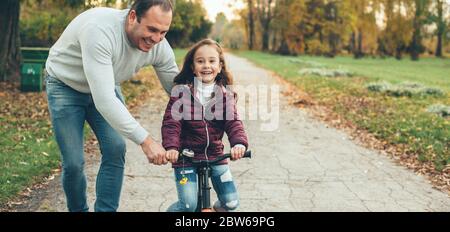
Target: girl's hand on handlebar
(172, 156)
(237, 152)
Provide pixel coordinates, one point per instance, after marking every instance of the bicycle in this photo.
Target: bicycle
(203, 174)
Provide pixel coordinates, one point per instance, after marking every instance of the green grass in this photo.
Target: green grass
(428, 71)
(28, 154)
(179, 55)
(396, 120)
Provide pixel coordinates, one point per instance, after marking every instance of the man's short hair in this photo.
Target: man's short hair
(141, 6)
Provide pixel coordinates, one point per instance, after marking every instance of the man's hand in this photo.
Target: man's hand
(237, 152)
(172, 156)
(155, 153)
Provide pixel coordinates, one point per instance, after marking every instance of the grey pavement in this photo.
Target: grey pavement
(303, 165)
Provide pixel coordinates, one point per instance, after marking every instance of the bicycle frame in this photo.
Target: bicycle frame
(203, 174)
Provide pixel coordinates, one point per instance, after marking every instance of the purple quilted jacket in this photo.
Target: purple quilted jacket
(187, 124)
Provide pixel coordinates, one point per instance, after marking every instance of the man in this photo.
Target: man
(98, 50)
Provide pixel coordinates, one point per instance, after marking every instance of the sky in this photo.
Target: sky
(213, 7)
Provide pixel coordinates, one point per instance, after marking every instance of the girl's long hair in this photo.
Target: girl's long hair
(186, 76)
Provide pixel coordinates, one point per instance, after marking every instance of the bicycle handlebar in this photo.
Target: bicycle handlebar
(247, 154)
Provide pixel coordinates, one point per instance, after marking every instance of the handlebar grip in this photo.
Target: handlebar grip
(248, 154)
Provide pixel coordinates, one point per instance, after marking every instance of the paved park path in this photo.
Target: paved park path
(302, 166)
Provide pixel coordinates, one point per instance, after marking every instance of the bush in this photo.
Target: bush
(322, 72)
(378, 86)
(407, 89)
(433, 91)
(44, 29)
(306, 63)
(315, 47)
(440, 109)
(401, 91)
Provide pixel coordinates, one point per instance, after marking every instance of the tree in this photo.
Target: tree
(312, 27)
(362, 14)
(10, 57)
(440, 21)
(219, 27)
(357, 10)
(335, 26)
(234, 35)
(229, 34)
(363, 27)
(309, 26)
(9, 40)
(397, 34)
(189, 17)
(416, 46)
(331, 22)
(201, 31)
(265, 16)
(251, 25)
(43, 29)
(287, 26)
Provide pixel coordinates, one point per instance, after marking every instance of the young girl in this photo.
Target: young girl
(200, 110)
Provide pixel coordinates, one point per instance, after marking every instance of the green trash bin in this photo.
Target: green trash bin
(31, 77)
(32, 68)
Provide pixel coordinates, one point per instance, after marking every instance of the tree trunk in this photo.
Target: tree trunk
(9, 40)
(265, 38)
(352, 45)
(439, 46)
(398, 52)
(358, 51)
(275, 41)
(251, 25)
(416, 43)
(265, 17)
(333, 41)
(284, 48)
(440, 28)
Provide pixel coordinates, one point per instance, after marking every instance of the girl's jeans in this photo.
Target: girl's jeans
(187, 194)
(69, 109)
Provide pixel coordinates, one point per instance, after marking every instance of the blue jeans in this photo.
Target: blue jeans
(222, 182)
(69, 109)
